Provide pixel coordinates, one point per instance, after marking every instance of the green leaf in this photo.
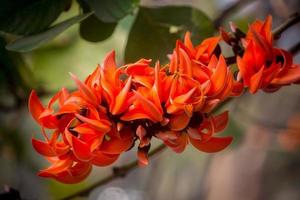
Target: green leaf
(31, 16)
(94, 30)
(15, 74)
(235, 130)
(34, 41)
(112, 10)
(155, 31)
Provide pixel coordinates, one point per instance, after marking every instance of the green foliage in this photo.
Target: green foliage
(94, 30)
(29, 43)
(10, 138)
(14, 72)
(156, 30)
(152, 27)
(112, 10)
(235, 130)
(59, 190)
(29, 17)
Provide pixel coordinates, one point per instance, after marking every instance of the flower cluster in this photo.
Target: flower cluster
(116, 107)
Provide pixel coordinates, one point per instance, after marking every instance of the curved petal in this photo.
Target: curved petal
(220, 121)
(35, 106)
(179, 122)
(43, 148)
(85, 90)
(100, 125)
(292, 75)
(102, 159)
(116, 145)
(81, 149)
(56, 168)
(75, 174)
(214, 144)
(121, 99)
(149, 107)
(218, 78)
(178, 145)
(256, 80)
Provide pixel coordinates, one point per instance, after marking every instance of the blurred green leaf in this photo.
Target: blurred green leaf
(235, 130)
(34, 41)
(94, 30)
(156, 30)
(11, 138)
(59, 190)
(112, 10)
(15, 74)
(27, 17)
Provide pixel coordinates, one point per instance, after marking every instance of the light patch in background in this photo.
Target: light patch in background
(117, 193)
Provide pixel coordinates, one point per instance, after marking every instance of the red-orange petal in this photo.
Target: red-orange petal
(214, 144)
(43, 148)
(292, 75)
(149, 107)
(218, 78)
(76, 174)
(121, 98)
(220, 121)
(35, 106)
(85, 90)
(116, 145)
(81, 149)
(102, 159)
(56, 168)
(100, 125)
(179, 122)
(177, 145)
(256, 80)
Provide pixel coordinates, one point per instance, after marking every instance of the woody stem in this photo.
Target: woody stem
(228, 11)
(292, 20)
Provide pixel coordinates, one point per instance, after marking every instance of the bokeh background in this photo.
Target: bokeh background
(262, 163)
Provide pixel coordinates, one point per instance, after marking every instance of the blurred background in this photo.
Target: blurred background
(262, 163)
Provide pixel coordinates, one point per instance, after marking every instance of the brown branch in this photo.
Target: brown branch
(292, 20)
(228, 11)
(117, 172)
(295, 49)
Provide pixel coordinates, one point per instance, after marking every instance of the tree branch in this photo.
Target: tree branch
(228, 11)
(292, 20)
(117, 172)
(295, 49)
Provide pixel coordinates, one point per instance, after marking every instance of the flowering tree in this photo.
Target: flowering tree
(175, 100)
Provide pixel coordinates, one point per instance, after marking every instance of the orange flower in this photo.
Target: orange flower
(116, 106)
(83, 136)
(196, 84)
(263, 66)
(200, 133)
(101, 119)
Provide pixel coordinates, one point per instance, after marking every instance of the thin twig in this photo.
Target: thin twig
(117, 172)
(228, 11)
(295, 49)
(292, 20)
